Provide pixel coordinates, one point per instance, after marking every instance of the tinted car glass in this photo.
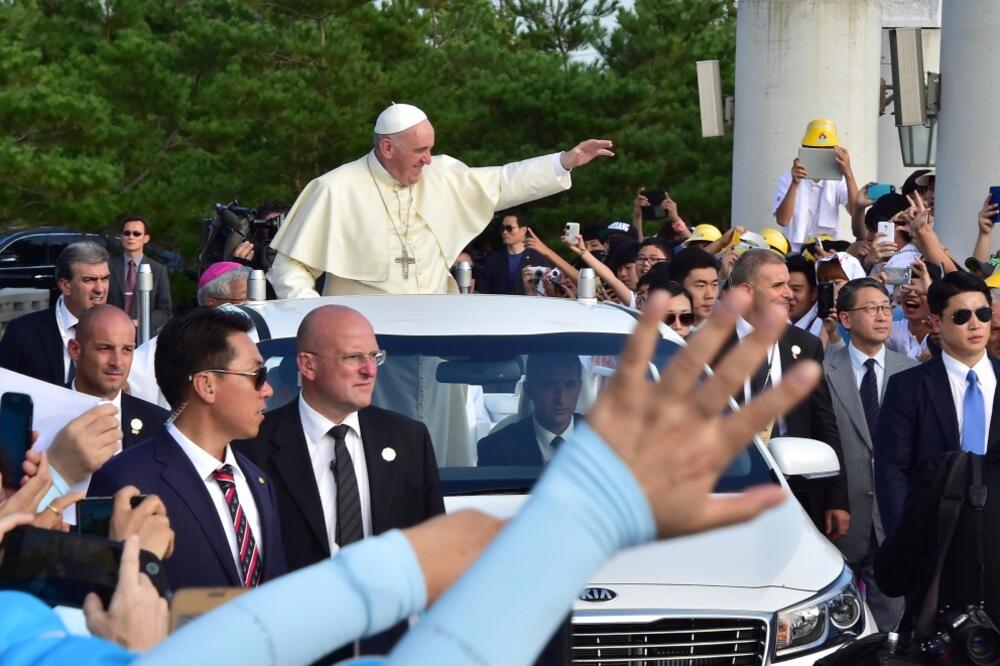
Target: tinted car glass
(30, 251)
(487, 399)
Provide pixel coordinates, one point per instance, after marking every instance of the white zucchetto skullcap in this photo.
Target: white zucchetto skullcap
(398, 117)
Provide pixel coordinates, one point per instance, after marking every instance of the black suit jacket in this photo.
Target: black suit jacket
(140, 420)
(404, 491)
(160, 307)
(33, 346)
(917, 421)
(514, 446)
(813, 418)
(201, 557)
(494, 278)
(904, 564)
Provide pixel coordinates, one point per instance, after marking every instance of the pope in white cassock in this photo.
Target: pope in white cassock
(395, 220)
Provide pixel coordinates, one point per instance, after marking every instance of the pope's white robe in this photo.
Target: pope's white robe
(339, 225)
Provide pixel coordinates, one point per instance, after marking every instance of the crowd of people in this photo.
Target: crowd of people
(888, 357)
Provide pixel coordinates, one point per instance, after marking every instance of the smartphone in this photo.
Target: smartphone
(654, 211)
(886, 231)
(190, 602)
(16, 411)
(571, 231)
(898, 275)
(880, 190)
(61, 568)
(825, 304)
(93, 514)
(995, 198)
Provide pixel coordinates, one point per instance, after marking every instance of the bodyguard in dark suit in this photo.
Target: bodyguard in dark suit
(36, 344)
(552, 383)
(501, 270)
(102, 354)
(124, 271)
(763, 276)
(343, 470)
(857, 376)
(947, 403)
(221, 506)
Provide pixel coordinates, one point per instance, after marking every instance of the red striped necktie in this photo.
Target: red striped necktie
(250, 562)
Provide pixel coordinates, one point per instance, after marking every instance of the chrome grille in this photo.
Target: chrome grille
(672, 642)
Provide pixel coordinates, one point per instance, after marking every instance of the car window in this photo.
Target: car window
(493, 404)
(30, 251)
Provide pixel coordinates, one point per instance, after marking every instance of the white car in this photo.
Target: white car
(769, 591)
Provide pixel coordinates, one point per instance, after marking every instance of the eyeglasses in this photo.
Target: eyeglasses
(134, 233)
(259, 375)
(509, 229)
(356, 360)
(961, 317)
(686, 318)
(872, 309)
(648, 260)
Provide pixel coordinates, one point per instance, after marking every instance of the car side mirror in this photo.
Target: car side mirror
(807, 458)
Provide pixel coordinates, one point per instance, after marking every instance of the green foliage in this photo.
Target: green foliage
(164, 107)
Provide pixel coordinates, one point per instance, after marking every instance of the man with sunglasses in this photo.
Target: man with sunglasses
(221, 506)
(947, 403)
(123, 292)
(343, 469)
(501, 273)
(857, 375)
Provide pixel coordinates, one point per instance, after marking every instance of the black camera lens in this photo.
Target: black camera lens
(982, 647)
(976, 634)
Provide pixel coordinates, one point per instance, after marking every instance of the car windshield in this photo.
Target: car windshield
(496, 407)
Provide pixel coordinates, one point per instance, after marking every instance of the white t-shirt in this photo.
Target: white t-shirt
(817, 207)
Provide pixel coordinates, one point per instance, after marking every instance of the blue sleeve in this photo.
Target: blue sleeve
(529, 575)
(58, 488)
(296, 619)
(31, 633)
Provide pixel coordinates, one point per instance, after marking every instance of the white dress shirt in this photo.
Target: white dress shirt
(66, 321)
(957, 373)
(743, 329)
(901, 340)
(205, 463)
(544, 438)
(858, 359)
(817, 207)
(320, 445)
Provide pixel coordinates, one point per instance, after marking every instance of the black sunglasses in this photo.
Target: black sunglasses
(133, 233)
(509, 229)
(960, 317)
(686, 318)
(259, 375)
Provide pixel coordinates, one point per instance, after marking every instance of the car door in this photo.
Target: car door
(25, 262)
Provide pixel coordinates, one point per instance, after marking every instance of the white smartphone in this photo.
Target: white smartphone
(571, 231)
(886, 231)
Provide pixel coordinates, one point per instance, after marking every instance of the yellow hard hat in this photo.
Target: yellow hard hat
(826, 238)
(993, 281)
(705, 233)
(776, 240)
(821, 133)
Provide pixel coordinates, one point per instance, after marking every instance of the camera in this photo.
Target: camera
(537, 272)
(554, 275)
(969, 632)
(233, 224)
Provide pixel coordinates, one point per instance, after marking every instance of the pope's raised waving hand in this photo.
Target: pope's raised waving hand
(585, 151)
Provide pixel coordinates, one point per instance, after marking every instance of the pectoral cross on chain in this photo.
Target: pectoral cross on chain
(405, 260)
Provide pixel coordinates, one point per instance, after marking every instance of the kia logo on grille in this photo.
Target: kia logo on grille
(597, 594)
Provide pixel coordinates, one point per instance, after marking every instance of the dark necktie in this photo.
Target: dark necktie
(869, 396)
(249, 556)
(349, 525)
(130, 278)
(71, 373)
(556, 442)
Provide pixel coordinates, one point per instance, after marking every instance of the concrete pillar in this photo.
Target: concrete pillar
(797, 60)
(969, 138)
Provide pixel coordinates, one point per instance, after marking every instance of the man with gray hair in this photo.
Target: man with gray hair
(763, 276)
(36, 344)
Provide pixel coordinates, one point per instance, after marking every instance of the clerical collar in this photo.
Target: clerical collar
(381, 175)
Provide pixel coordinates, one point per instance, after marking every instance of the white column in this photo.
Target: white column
(969, 139)
(797, 60)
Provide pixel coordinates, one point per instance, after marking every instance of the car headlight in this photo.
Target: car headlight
(834, 616)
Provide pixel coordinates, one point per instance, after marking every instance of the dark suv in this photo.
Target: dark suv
(28, 256)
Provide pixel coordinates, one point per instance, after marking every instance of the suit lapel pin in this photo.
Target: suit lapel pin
(796, 350)
(136, 425)
(260, 480)
(388, 454)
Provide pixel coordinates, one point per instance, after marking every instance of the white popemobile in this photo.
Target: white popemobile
(773, 590)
